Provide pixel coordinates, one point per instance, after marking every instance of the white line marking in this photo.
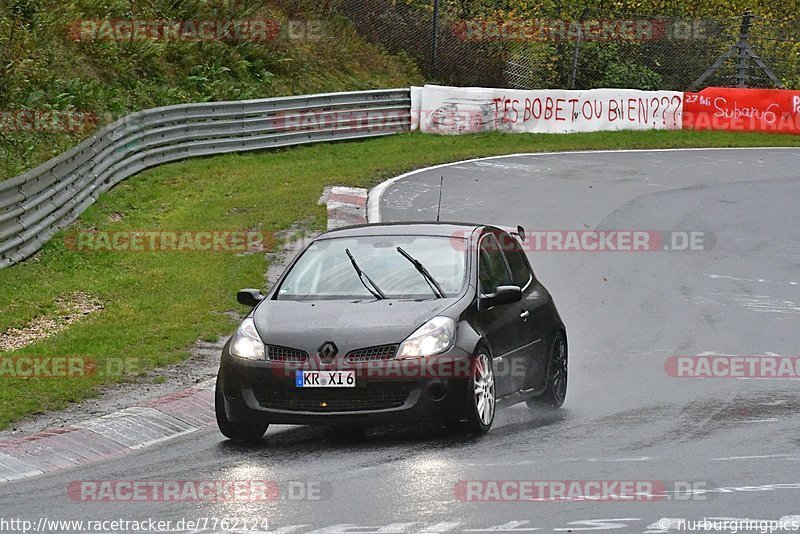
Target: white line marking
(511, 526)
(758, 457)
(639, 459)
(739, 279)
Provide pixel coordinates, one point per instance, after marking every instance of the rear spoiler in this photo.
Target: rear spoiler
(519, 231)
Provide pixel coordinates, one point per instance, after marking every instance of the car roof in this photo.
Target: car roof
(444, 229)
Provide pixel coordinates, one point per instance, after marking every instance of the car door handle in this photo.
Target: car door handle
(524, 315)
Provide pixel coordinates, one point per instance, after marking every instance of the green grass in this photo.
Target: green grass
(158, 304)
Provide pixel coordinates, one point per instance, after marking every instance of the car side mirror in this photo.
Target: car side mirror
(502, 295)
(249, 297)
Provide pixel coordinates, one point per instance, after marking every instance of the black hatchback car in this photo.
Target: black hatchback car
(391, 323)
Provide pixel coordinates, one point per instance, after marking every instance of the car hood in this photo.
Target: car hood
(306, 325)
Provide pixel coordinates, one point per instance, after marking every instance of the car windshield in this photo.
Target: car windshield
(325, 271)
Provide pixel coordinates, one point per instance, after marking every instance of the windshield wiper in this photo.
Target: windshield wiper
(376, 292)
(434, 285)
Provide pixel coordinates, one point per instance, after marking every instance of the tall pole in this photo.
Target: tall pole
(434, 38)
(744, 56)
(577, 51)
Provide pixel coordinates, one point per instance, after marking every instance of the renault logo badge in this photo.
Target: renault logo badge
(328, 351)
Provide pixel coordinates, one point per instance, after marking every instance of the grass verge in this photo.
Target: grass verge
(157, 304)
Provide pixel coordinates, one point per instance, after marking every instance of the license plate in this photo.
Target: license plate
(325, 379)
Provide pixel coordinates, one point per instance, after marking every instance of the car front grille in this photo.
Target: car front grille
(379, 396)
(372, 354)
(285, 354)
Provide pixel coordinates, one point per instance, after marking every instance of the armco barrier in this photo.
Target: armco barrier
(38, 203)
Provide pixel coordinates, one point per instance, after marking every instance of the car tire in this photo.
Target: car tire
(481, 393)
(237, 432)
(556, 390)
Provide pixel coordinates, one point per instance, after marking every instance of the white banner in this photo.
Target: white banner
(456, 110)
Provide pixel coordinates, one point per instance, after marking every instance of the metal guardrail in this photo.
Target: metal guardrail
(40, 202)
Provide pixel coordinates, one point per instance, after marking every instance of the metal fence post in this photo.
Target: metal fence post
(744, 56)
(434, 38)
(577, 51)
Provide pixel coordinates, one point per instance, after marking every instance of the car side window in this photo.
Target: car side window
(492, 269)
(520, 269)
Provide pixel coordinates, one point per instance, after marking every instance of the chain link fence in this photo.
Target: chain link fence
(458, 42)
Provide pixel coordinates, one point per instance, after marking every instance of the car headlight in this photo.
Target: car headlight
(246, 342)
(434, 337)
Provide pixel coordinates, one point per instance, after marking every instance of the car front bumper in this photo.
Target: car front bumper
(265, 392)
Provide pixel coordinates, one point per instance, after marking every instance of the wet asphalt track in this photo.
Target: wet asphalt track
(625, 418)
